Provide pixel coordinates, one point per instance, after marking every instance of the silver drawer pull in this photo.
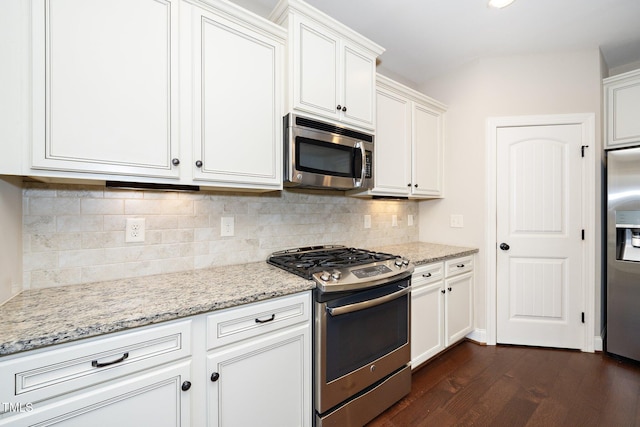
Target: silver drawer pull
(460, 265)
(426, 275)
(96, 364)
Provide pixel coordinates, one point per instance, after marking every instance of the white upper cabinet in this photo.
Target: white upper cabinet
(237, 102)
(392, 163)
(154, 91)
(105, 86)
(622, 110)
(409, 144)
(331, 68)
(427, 127)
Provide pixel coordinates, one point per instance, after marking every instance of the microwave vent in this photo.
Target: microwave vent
(303, 121)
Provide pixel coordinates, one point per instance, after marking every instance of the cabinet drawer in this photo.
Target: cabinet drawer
(244, 322)
(426, 274)
(458, 265)
(42, 374)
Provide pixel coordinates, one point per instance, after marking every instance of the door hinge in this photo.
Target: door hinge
(583, 234)
(583, 317)
(582, 149)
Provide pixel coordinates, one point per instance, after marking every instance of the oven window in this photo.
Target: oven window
(356, 339)
(324, 158)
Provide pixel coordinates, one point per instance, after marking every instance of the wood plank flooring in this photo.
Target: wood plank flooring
(519, 386)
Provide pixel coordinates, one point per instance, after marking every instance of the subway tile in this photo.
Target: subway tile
(72, 223)
(183, 229)
(102, 206)
(50, 278)
(54, 206)
(158, 207)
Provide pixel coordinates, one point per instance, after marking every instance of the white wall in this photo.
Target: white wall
(494, 87)
(11, 242)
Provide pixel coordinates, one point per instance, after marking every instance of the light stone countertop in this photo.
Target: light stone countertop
(39, 318)
(43, 317)
(420, 253)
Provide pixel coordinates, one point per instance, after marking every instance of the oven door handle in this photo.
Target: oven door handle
(336, 311)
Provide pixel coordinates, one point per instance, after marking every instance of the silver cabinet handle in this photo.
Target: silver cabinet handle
(336, 311)
(426, 275)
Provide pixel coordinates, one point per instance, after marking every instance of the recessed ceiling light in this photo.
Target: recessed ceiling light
(499, 4)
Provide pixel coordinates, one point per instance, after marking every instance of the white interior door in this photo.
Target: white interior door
(539, 235)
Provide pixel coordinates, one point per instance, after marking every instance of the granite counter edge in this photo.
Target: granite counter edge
(92, 331)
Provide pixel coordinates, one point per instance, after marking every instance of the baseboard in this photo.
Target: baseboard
(598, 343)
(478, 335)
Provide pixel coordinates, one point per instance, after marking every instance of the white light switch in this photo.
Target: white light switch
(227, 226)
(456, 221)
(394, 220)
(409, 220)
(367, 221)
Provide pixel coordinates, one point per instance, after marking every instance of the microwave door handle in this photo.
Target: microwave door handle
(336, 311)
(363, 162)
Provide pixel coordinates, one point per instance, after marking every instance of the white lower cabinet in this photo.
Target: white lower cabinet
(243, 366)
(261, 379)
(260, 382)
(441, 307)
(154, 398)
(133, 378)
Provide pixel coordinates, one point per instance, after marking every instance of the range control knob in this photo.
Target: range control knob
(336, 275)
(325, 276)
(398, 262)
(405, 262)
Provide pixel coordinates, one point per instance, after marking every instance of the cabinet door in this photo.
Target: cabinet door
(359, 87)
(459, 307)
(622, 98)
(237, 104)
(427, 327)
(393, 144)
(427, 151)
(262, 382)
(154, 398)
(105, 86)
(316, 73)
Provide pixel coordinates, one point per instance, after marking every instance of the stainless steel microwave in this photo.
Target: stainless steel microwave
(323, 155)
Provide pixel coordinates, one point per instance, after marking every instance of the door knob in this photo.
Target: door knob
(504, 246)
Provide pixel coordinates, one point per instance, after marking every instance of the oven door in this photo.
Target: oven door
(360, 339)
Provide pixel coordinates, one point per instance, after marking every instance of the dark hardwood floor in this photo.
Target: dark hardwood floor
(519, 386)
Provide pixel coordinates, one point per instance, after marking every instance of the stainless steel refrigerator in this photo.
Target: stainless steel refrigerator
(623, 253)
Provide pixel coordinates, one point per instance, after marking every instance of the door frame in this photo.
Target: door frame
(587, 122)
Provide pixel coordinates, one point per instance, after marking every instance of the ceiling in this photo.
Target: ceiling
(427, 38)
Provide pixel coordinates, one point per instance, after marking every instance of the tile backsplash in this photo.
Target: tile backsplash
(76, 234)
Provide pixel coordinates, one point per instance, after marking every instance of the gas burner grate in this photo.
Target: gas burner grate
(306, 261)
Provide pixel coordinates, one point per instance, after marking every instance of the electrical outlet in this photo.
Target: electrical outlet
(409, 220)
(134, 231)
(367, 221)
(456, 221)
(394, 220)
(227, 226)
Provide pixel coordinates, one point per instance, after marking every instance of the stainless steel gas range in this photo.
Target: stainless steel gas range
(361, 330)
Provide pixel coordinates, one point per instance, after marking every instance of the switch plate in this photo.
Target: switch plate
(227, 226)
(456, 221)
(134, 230)
(409, 220)
(394, 220)
(367, 221)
